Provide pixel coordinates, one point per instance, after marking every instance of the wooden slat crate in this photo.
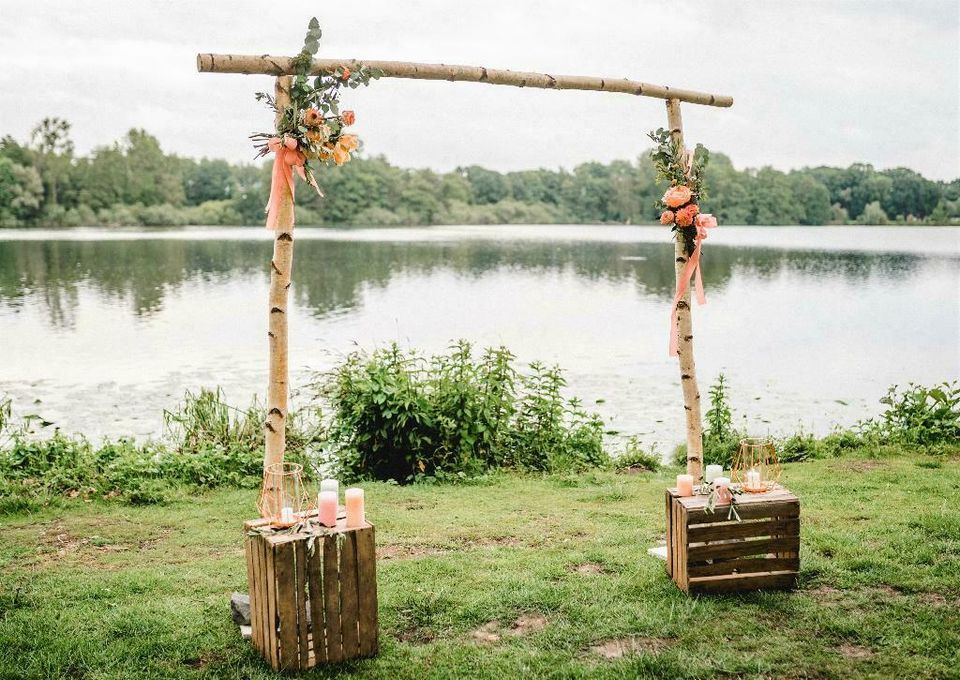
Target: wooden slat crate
(312, 606)
(706, 553)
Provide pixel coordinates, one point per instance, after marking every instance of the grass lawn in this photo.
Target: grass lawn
(520, 577)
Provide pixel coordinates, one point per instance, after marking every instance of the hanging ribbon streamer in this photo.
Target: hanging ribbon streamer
(287, 158)
(691, 267)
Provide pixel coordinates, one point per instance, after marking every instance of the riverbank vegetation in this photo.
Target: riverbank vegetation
(402, 417)
(133, 182)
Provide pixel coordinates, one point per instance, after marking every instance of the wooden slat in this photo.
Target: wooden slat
(367, 586)
(300, 589)
(683, 559)
(287, 606)
(349, 596)
(253, 583)
(331, 598)
(774, 527)
(269, 577)
(699, 515)
(315, 580)
(698, 553)
(743, 565)
(728, 584)
(668, 514)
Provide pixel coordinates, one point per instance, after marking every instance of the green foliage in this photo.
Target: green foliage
(920, 416)
(921, 419)
(398, 415)
(120, 184)
(208, 444)
(636, 458)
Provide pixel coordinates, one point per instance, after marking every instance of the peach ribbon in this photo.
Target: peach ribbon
(287, 158)
(692, 266)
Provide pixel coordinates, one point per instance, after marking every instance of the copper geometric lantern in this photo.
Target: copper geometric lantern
(756, 467)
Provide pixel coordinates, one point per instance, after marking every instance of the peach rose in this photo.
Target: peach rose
(348, 117)
(349, 142)
(693, 209)
(677, 196)
(684, 219)
(340, 155)
(666, 217)
(706, 221)
(312, 118)
(346, 74)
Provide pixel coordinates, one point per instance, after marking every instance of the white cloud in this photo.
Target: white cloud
(815, 82)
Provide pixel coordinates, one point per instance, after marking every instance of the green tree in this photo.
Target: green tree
(54, 151)
(21, 192)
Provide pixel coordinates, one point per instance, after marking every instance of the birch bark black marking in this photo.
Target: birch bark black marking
(688, 371)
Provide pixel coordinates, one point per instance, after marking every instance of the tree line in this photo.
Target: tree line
(133, 182)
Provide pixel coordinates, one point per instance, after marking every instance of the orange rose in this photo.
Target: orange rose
(349, 142)
(693, 209)
(348, 118)
(677, 196)
(346, 74)
(684, 219)
(312, 118)
(340, 155)
(666, 217)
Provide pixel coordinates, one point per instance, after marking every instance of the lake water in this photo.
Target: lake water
(103, 329)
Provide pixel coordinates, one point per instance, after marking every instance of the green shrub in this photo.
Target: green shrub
(920, 416)
(398, 415)
(635, 457)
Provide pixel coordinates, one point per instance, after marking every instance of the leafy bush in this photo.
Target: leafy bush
(919, 416)
(398, 415)
(635, 457)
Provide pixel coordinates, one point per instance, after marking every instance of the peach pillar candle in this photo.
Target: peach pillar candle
(330, 485)
(327, 508)
(355, 512)
(722, 487)
(684, 485)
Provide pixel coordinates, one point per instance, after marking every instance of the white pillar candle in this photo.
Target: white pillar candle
(684, 485)
(714, 471)
(355, 511)
(286, 514)
(330, 485)
(753, 479)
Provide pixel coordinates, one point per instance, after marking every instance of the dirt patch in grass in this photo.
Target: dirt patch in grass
(825, 592)
(403, 551)
(417, 636)
(487, 542)
(616, 648)
(855, 652)
(528, 623)
(493, 631)
(588, 568)
(488, 633)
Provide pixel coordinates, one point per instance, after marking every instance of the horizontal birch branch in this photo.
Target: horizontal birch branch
(278, 66)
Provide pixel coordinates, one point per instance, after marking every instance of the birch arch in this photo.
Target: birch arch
(282, 68)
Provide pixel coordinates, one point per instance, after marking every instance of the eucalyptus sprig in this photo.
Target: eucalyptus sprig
(710, 492)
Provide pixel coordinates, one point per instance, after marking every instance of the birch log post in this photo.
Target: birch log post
(278, 66)
(688, 369)
(281, 267)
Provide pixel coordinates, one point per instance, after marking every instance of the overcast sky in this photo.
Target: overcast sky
(814, 82)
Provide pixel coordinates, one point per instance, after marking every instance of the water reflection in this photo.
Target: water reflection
(330, 275)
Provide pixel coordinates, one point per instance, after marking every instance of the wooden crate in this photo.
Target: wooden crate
(311, 606)
(706, 553)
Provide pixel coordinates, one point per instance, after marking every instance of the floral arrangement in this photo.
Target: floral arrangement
(680, 204)
(680, 208)
(312, 126)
